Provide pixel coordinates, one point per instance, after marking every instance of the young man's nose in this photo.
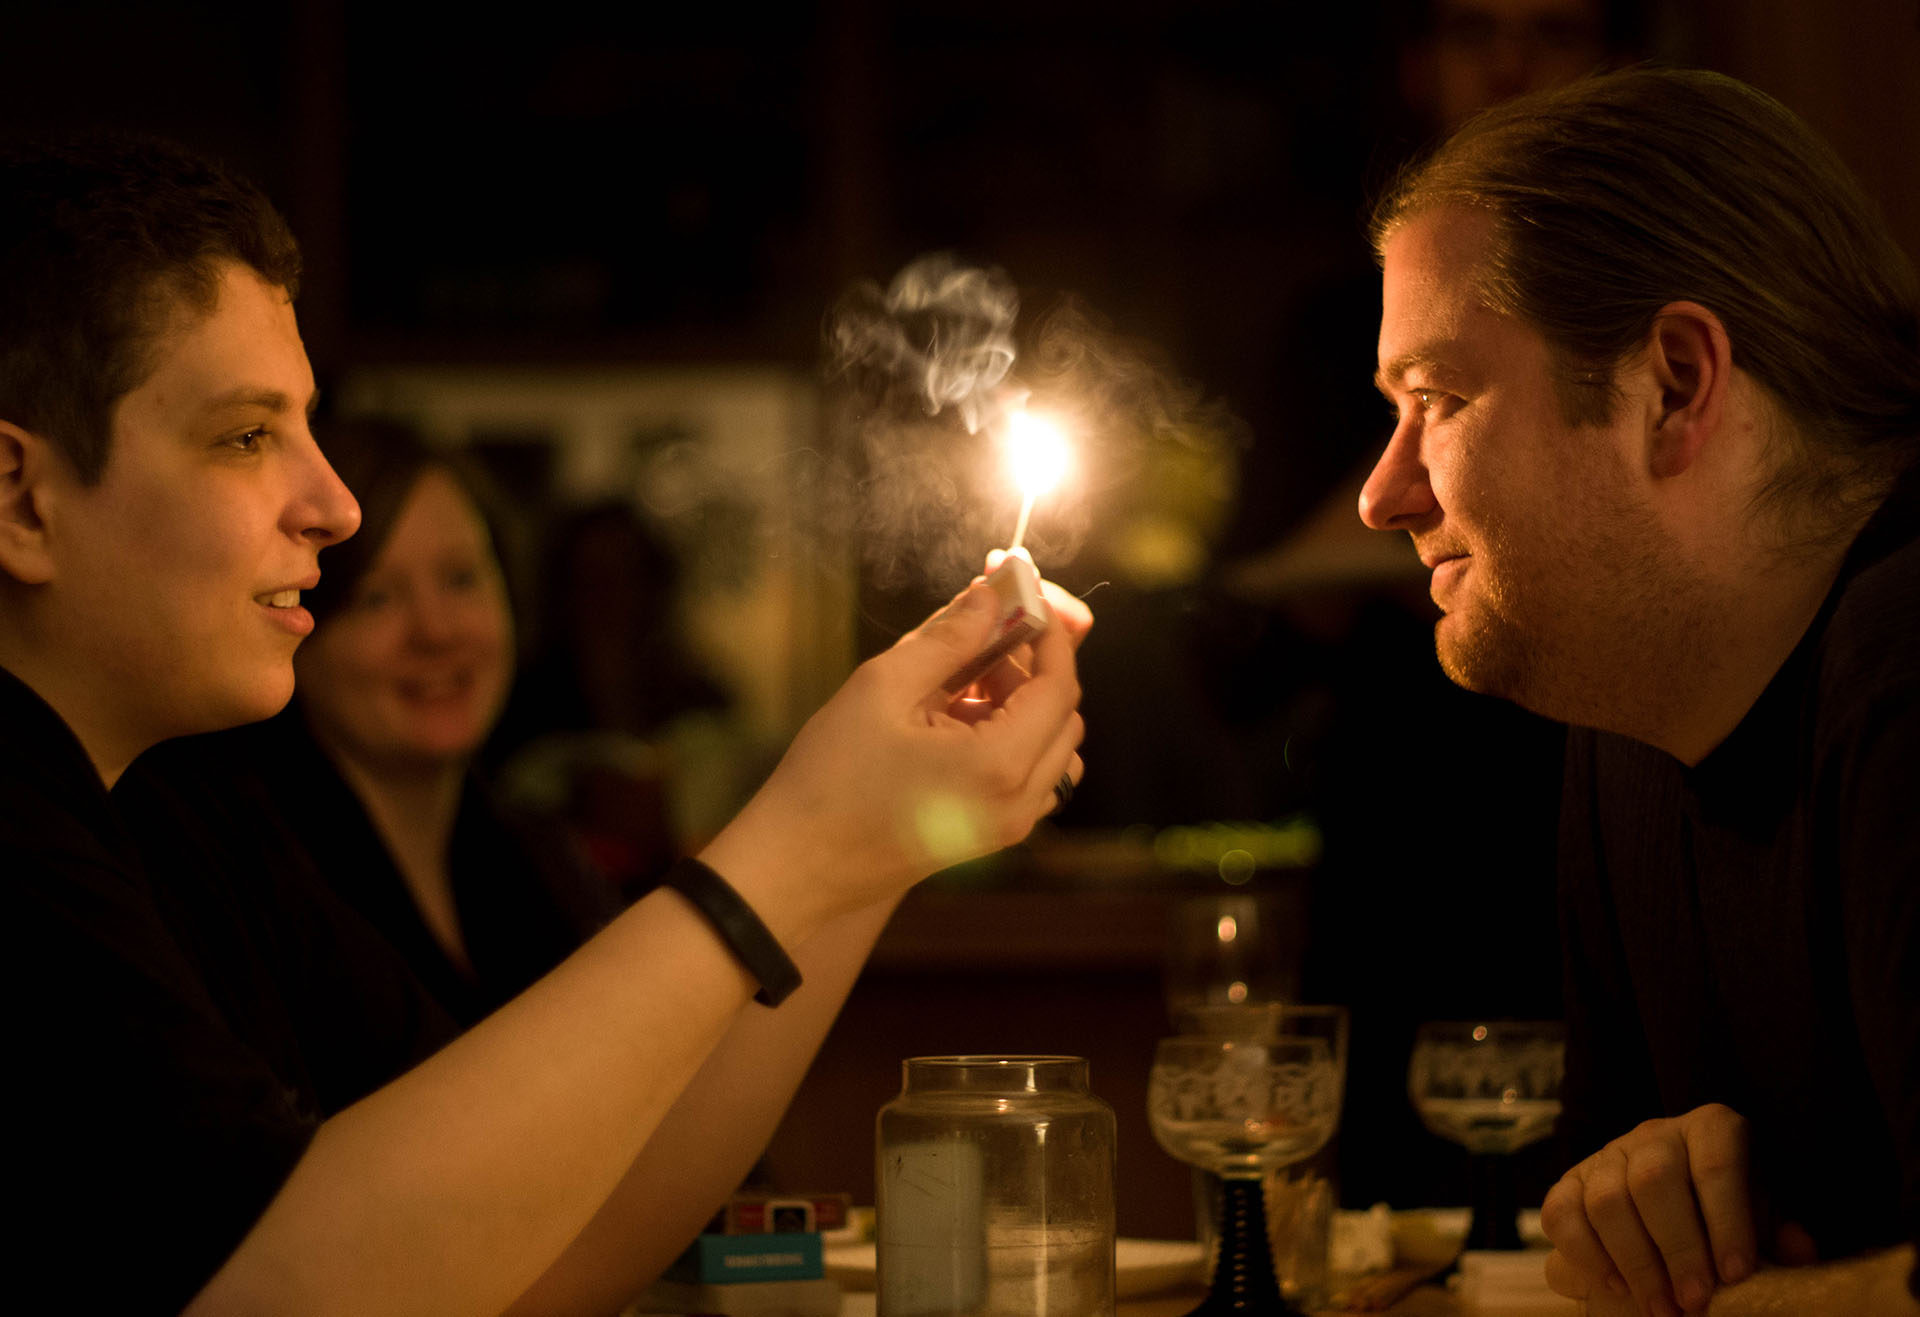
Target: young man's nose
(326, 511)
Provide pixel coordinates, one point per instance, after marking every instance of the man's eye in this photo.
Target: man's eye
(248, 440)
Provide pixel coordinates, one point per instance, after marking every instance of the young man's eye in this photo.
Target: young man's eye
(248, 441)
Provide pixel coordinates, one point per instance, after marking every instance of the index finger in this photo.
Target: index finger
(1031, 716)
(1070, 613)
(1666, 1196)
(1716, 1140)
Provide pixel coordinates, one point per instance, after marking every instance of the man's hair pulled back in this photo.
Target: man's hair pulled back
(1628, 191)
(102, 241)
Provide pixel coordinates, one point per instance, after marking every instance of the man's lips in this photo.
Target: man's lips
(1447, 568)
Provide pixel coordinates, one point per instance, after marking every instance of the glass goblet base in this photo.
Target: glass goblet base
(1243, 1275)
(1495, 1224)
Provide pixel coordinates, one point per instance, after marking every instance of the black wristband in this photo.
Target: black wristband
(733, 919)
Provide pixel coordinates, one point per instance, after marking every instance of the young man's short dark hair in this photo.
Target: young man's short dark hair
(102, 239)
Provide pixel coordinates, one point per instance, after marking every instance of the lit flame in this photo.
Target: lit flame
(1038, 451)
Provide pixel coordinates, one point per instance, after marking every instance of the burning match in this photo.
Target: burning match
(1039, 454)
(1038, 451)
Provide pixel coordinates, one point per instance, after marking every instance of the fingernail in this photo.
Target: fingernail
(1664, 1307)
(977, 599)
(1692, 1292)
(1618, 1284)
(1735, 1267)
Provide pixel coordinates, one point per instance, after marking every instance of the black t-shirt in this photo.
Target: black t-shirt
(1748, 931)
(177, 1033)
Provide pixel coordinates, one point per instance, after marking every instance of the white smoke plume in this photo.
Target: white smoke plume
(926, 369)
(942, 331)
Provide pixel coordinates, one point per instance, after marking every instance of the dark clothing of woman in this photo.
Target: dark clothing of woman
(523, 900)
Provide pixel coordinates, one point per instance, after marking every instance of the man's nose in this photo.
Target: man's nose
(1397, 494)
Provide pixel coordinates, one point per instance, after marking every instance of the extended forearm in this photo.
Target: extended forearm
(453, 1188)
(709, 1141)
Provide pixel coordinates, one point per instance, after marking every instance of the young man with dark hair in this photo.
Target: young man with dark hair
(1657, 371)
(217, 1099)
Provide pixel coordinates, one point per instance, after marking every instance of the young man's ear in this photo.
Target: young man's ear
(1692, 363)
(26, 462)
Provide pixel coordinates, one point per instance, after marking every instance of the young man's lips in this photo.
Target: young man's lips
(283, 606)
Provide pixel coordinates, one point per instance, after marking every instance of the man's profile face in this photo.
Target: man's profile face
(1545, 559)
(177, 574)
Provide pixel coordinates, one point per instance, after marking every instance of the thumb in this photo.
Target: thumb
(924, 658)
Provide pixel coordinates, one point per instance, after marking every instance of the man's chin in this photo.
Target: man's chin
(1476, 656)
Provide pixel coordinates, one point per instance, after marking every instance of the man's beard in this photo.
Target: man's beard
(1586, 635)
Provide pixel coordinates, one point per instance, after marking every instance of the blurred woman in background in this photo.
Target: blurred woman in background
(400, 683)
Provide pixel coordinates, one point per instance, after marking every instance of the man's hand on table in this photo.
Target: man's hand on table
(1655, 1220)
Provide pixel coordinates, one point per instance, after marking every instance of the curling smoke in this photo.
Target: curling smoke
(942, 330)
(928, 365)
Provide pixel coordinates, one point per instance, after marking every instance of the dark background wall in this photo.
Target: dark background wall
(698, 182)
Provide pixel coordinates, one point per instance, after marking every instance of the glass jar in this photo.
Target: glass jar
(994, 1190)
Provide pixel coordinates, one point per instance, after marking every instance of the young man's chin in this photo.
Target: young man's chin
(254, 704)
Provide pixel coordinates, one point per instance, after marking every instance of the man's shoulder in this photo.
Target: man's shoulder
(1870, 649)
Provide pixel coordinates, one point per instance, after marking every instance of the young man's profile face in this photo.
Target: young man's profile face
(177, 575)
(1545, 558)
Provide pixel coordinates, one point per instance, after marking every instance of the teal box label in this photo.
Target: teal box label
(730, 1259)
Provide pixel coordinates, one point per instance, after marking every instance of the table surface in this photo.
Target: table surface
(1430, 1300)
(1427, 1241)
(1426, 1301)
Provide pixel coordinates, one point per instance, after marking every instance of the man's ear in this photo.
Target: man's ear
(1692, 363)
(26, 463)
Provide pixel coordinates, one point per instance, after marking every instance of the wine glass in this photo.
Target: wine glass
(1243, 1107)
(1299, 1198)
(1492, 1087)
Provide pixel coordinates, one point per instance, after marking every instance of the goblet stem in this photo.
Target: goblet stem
(1496, 1204)
(1243, 1275)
